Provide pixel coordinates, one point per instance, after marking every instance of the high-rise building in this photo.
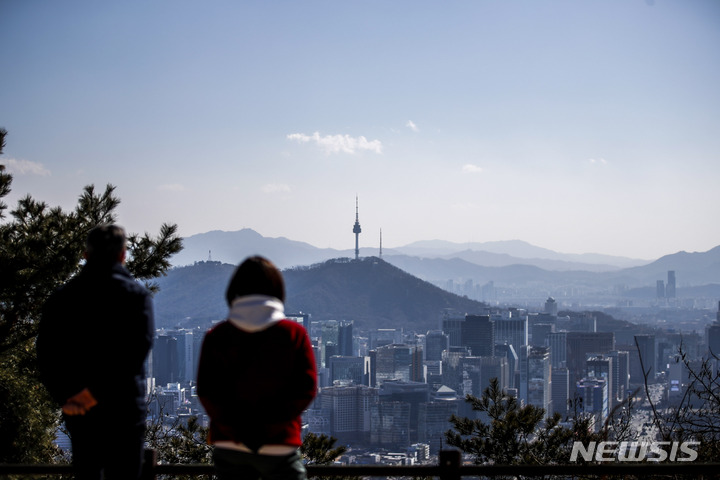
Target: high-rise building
(478, 333)
(345, 339)
(712, 336)
(539, 378)
(512, 330)
(390, 425)
(660, 289)
(540, 332)
(593, 398)
(393, 362)
(601, 366)
(434, 417)
(349, 409)
(165, 365)
(670, 289)
(557, 341)
(347, 369)
(384, 336)
(579, 345)
(509, 353)
(551, 306)
(436, 342)
(621, 374)
(647, 357)
(412, 393)
(560, 389)
(452, 325)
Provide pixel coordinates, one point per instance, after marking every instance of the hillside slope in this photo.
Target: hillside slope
(370, 292)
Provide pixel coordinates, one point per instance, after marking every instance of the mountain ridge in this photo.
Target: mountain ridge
(692, 269)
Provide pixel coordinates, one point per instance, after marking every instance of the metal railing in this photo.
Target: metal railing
(449, 467)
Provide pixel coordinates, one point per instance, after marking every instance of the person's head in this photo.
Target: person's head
(256, 276)
(106, 244)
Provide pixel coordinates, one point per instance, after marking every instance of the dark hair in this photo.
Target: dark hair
(105, 243)
(256, 276)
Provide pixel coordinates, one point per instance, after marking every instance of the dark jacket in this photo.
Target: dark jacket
(95, 333)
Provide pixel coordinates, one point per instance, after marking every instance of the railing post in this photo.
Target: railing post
(449, 464)
(149, 463)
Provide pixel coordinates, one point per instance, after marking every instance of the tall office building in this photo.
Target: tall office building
(452, 325)
(478, 333)
(551, 306)
(593, 396)
(670, 289)
(557, 341)
(349, 409)
(646, 351)
(539, 378)
(540, 332)
(393, 362)
(512, 330)
(390, 425)
(509, 353)
(436, 342)
(560, 389)
(165, 365)
(434, 418)
(660, 289)
(621, 374)
(347, 369)
(412, 393)
(345, 339)
(384, 336)
(579, 345)
(601, 366)
(712, 336)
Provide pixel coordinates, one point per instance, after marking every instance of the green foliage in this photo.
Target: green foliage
(508, 436)
(41, 248)
(182, 442)
(320, 449)
(512, 434)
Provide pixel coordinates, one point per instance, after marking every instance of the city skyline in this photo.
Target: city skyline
(576, 127)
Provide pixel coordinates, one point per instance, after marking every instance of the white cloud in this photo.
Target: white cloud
(171, 187)
(275, 188)
(338, 143)
(470, 168)
(411, 125)
(599, 161)
(24, 167)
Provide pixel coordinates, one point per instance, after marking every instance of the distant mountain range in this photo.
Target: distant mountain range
(511, 262)
(370, 292)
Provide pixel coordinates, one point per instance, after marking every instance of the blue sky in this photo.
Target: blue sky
(579, 126)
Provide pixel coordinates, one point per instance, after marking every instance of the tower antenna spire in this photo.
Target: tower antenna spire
(381, 243)
(357, 230)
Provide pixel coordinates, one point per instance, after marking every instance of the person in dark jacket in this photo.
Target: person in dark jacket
(94, 335)
(256, 376)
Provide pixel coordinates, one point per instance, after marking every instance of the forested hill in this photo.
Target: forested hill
(371, 292)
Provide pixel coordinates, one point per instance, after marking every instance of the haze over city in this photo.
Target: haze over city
(575, 126)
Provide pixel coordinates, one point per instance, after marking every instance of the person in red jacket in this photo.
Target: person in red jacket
(256, 376)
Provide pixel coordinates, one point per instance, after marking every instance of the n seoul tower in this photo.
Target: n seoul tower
(357, 230)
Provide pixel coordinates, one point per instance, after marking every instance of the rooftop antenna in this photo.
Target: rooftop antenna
(357, 230)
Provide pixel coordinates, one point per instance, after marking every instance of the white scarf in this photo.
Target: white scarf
(253, 313)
